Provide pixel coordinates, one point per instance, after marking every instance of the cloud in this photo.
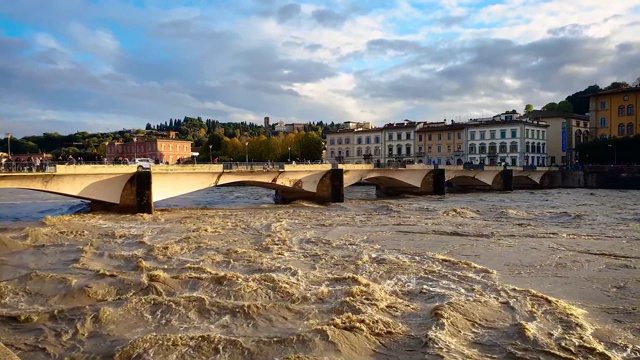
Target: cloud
(71, 64)
(328, 18)
(287, 12)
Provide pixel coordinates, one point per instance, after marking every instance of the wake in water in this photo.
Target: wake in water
(273, 283)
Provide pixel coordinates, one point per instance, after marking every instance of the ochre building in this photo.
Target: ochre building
(615, 112)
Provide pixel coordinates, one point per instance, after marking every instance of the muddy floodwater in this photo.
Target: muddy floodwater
(226, 274)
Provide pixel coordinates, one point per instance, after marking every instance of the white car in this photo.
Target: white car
(143, 163)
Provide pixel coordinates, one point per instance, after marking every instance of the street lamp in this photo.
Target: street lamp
(615, 154)
(8, 135)
(289, 153)
(246, 152)
(135, 148)
(210, 156)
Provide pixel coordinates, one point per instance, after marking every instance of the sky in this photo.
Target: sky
(106, 65)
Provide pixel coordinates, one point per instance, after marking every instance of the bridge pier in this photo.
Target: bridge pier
(136, 196)
(330, 189)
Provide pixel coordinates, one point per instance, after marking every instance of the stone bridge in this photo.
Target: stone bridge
(124, 189)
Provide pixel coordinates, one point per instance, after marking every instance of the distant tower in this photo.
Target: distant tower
(266, 122)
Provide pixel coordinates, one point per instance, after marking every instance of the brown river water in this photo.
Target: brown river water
(226, 274)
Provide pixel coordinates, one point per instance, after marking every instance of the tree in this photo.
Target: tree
(580, 99)
(617, 85)
(528, 108)
(565, 106)
(636, 83)
(550, 107)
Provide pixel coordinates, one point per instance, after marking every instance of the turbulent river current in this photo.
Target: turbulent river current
(226, 274)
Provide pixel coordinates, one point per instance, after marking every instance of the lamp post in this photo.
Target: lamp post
(246, 152)
(210, 156)
(106, 151)
(289, 153)
(135, 148)
(8, 135)
(615, 154)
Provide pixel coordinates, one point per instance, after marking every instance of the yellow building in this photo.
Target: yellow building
(440, 143)
(615, 112)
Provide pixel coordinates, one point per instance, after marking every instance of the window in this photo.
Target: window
(578, 136)
(408, 135)
(359, 140)
(482, 134)
(429, 149)
(367, 151)
(408, 150)
(472, 149)
(630, 129)
(492, 134)
(347, 141)
(585, 136)
(367, 140)
(503, 134)
(621, 110)
(346, 153)
(503, 147)
(630, 110)
(448, 136)
(621, 130)
(448, 148)
(420, 137)
(603, 105)
(543, 134)
(528, 147)
(482, 149)
(439, 136)
(332, 141)
(359, 152)
(439, 148)
(459, 147)
(564, 125)
(543, 149)
(399, 136)
(390, 137)
(399, 150)
(390, 150)
(459, 135)
(603, 122)
(492, 148)
(513, 147)
(339, 141)
(539, 148)
(162, 147)
(526, 133)
(472, 135)
(537, 134)
(514, 133)
(420, 149)
(376, 151)
(429, 137)
(377, 139)
(333, 153)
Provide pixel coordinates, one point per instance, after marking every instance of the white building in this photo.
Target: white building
(507, 138)
(357, 143)
(399, 141)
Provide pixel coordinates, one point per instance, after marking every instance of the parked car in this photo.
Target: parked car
(143, 163)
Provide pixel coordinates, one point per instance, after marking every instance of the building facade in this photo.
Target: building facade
(565, 133)
(614, 112)
(357, 143)
(162, 150)
(506, 139)
(399, 142)
(440, 143)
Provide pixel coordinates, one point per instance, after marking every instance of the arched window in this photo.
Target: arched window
(543, 149)
(347, 153)
(482, 149)
(376, 151)
(620, 129)
(399, 149)
(585, 136)
(630, 110)
(472, 148)
(367, 150)
(539, 148)
(630, 129)
(528, 147)
(513, 147)
(621, 110)
(578, 136)
(492, 148)
(390, 150)
(503, 147)
(359, 151)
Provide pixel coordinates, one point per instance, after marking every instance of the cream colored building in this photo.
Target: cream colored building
(565, 132)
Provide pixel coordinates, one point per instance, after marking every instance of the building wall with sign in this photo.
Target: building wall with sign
(565, 132)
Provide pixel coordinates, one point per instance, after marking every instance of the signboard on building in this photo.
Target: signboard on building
(564, 140)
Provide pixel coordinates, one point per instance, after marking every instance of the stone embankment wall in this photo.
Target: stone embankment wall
(612, 177)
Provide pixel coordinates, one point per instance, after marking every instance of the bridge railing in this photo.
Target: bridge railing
(27, 167)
